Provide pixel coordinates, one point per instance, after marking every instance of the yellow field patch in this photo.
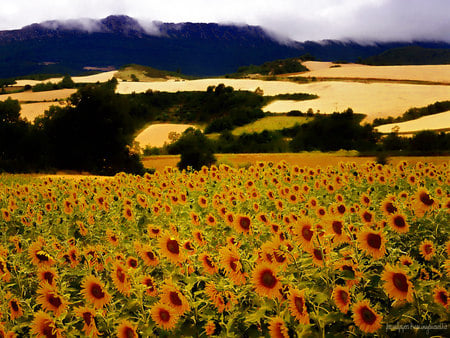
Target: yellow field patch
(270, 123)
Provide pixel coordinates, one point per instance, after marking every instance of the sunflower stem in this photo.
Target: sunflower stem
(419, 312)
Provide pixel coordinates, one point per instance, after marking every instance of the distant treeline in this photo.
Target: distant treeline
(415, 113)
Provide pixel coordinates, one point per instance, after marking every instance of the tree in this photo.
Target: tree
(195, 148)
(67, 82)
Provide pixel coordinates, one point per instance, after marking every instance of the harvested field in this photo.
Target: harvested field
(436, 122)
(312, 159)
(270, 123)
(51, 95)
(32, 110)
(373, 99)
(100, 77)
(431, 73)
(157, 134)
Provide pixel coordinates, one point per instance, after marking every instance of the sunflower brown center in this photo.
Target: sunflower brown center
(120, 275)
(280, 258)
(129, 332)
(97, 292)
(400, 282)
(164, 315)
(428, 249)
(368, 316)
(374, 240)
(399, 221)
(390, 208)
(233, 264)
(318, 254)
(341, 208)
(268, 280)
(367, 216)
(55, 301)
(150, 255)
(299, 304)
(343, 295)
(42, 257)
(132, 262)
(426, 199)
(175, 299)
(87, 316)
(47, 330)
(209, 262)
(48, 276)
(443, 297)
(337, 227)
(307, 233)
(172, 246)
(14, 306)
(244, 223)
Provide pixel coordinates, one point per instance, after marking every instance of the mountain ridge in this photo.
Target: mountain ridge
(200, 49)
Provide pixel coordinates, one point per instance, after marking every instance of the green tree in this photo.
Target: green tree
(195, 148)
(67, 82)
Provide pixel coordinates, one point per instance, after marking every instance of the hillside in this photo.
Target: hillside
(410, 55)
(199, 49)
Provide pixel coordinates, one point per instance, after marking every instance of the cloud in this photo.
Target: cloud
(381, 20)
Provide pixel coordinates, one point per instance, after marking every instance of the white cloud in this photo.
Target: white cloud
(298, 19)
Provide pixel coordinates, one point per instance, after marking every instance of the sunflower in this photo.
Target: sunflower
(198, 237)
(132, 262)
(397, 284)
(426, 249)
(406, 260)
(372, 242)
(210, 328)
(50, 300)
(397, 222)
(423, 202)
(265, 280)
(126, 329)
(15, 309)
(6, 215)
(44, 326)
(150, 286)
(164, 316)
(208, 263)
(170, 248)
(341, 297)
(112, 238)
(173, 297)
(277, 328)
(365, 317)
(148, 255)
(336, 228)
(38, 256)
(211, 220)
(367, 216)
(153, 231)
(440, 296)
(318, 256)
(120, 278)
(243, 224)
(297, 306)
(88, 316)
(230, 262)
(94, 291)
(5, 274)
(388, 207)
(128, 213)
(202, 202)
(304, 233)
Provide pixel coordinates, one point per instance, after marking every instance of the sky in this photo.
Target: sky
(360, 20)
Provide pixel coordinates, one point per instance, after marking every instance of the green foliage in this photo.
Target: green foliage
(334, 132)
(66, 82)
(195, 148)
(291, 65)
(415, 113)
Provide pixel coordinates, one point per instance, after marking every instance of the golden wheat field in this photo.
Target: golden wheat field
(274, 249)
(436, 122)
(156, 135)
(428, 73)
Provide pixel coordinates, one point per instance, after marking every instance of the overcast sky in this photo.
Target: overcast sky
(381, 20)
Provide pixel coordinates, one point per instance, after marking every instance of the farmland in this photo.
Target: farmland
(332, 250)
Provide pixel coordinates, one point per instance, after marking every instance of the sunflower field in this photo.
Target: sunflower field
(272, 250)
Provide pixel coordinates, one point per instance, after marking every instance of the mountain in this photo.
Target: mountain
(202, 49)
(410, 55)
